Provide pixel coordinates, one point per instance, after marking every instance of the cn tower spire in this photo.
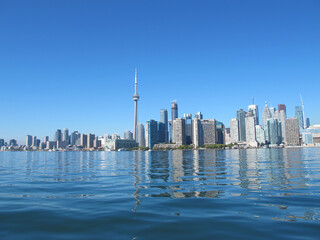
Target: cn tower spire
(135, 99)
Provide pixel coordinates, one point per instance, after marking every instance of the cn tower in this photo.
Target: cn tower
(135, 99)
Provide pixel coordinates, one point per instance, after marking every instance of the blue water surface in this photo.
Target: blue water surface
(181, 194)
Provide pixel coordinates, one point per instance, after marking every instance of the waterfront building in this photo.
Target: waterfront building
(188, 128)
(204, 132)
(272, 111)
(250, 129)
(151, 133)
(65, 136)
(115, 136)
(178, 131)
(90, 140)
(58, 135)
(307, 138)
(299, 116)
(46, 139)
(234, 130)
(13, 143)
(140, 135)
(241, 116)
(51, 145)
(273, 131)
(116, 144)
(164, 120)
(135, 99)
(265, 114)
(42, 145)
(174, 115)
(83, 140)
(254, 109)
(220, 133)
(74, 136)
(198, 115)
(292, 131)
(97, 143)
(197, 134)
(161, 132)
(282, 107)
(128, 135)
(260, 135)
(34, 141)
(227, 136)
(307, 122)
(1, 142)
(282, 119)
(28, 141)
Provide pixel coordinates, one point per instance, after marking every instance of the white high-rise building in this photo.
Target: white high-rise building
(266, 114)
(234, 130)
(250, 130)
(128, 135)
(282, 119)
(178, 131)
(260, 136)
(254, 109)
(140, 137)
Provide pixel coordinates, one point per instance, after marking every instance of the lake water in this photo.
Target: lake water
(200, 194)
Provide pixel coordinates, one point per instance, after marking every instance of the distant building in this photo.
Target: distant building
(251, 129)
(13, 143)
(204, 132)
(58, 135)
(164, 121)
(198, 115)
(178, 131)
(174, 115)
(254, 110)
(241, 116)
(292, 131)
(188, 128)
(140, 135)
(46, 139)
(151, 133)
(272, 131)
(83, 140)
(116, 144)
(282, 119)
(307, 122)
(282, 107)
(90, 140)
(265, 114)
(51, 144)
(260, 135)
(28, 140)
(115, 136)
(220, 133)
(65, 136)
(234, 130)
(128, 135)
(1, 142)
(299, 116)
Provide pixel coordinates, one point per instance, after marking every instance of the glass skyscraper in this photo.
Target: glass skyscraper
(241, 116)
(299, 116)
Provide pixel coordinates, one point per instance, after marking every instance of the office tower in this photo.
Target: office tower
(34, 141)
(276, 114)
(140, 135)
(174, 110)
(65, 136)
(58, 135)
(250, 128)
(260, 136)
(135, 99)
(307, 122)
(90, 139)
(188, 128)
(227, 136)
(282, 107)
(1, 142)
(254, 109)
(220, 133)
(282, 119)
(299, 116)
(151, 133)
(28, 140)
(265, 114)
(128, 135)
(74, 137)
(234, 130)
(97, 143)
(38, 142)
(272, 131)
(178, 131)
(115, 136)
(46, 139)
(161, 132)
(241, 116)
(164, 120)
(272, 111)
(292, 131)
(204, 132)
(83, 140)
(198, 115)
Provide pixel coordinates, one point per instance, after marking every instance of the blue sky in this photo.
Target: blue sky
(70, 64)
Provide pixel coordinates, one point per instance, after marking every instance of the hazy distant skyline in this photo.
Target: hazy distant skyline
(70, 64)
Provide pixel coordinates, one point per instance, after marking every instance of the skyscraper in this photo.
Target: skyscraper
(204, 132)
(140, 135)
(299, 116)
(282, 118)
(178, 131)
(307, 122)
(46, 139)
(188, 127)
(90, 140)
(198, 115)
(151, 133)
(174, 110)
(83, 140)
(164, 120)
(234, 130)
(65, 136)
(128, 135)
(58, 135)
(265, 114)
(282, 107)
(272, 131)
(254, 109)
(28, 140)
(135, 99)
(292, 131)
(34, 141)
(241, 116)
(250, 129)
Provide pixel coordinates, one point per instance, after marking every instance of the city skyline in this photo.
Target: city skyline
(66, 67)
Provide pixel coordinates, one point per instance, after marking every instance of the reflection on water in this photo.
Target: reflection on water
(238, 186)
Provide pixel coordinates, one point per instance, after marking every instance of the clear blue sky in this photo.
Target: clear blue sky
(70, 64)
